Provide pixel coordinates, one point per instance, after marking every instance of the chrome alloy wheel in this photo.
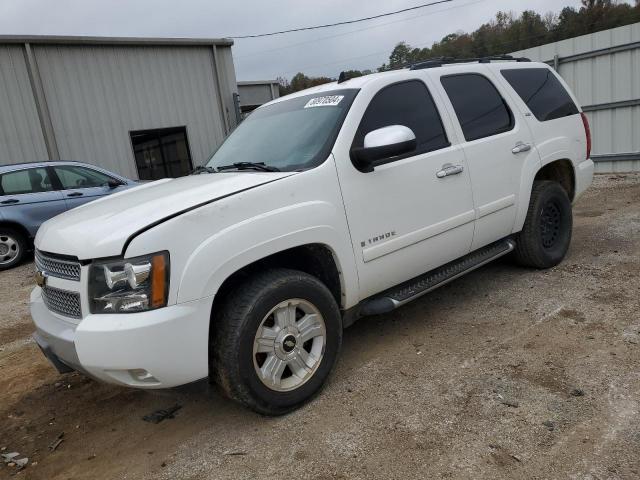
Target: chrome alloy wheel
(289, 345)
(9, 249)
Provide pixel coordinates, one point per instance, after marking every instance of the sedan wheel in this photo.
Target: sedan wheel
(12, 248)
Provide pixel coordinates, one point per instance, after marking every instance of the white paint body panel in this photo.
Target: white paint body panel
(382, 227)
(101, 229)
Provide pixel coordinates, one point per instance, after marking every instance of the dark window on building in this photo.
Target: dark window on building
(80, 177)
(30, 180)
(161, 153)
(480, 108)
(542, 92)
(409, 104)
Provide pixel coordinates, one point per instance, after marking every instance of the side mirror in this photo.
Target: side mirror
(113, 184)
(382, 144)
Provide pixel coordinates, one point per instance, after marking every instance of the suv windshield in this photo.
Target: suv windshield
(290, 135)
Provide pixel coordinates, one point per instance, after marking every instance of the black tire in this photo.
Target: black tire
(546, 235)
(233, 362)
(13, 246)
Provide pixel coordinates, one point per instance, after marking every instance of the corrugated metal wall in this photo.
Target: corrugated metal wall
(603, 69)
(96, 94)
(229, 79)
(21, 138)
(257, 93)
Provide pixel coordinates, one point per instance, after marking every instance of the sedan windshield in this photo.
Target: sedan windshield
(290, 135)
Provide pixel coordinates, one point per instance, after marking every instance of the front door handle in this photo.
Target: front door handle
(521, 147)
(10, 201)
(75, 194)
(448, 169)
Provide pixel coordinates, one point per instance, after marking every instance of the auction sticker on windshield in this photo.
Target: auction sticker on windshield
(327, 101)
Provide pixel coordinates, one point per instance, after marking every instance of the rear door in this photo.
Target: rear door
(81, 184)
(497, 144)
(27, 197)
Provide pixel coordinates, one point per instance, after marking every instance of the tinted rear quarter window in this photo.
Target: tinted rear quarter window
(543, 93)
(410, 104)
(480, 108)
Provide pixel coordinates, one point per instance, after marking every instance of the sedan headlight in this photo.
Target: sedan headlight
(131, 285)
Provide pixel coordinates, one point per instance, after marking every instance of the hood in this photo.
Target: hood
(101, 228)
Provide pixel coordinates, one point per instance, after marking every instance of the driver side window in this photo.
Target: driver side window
(79, 177)
(409, 104)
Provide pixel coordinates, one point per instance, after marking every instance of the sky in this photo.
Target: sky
(319, 52)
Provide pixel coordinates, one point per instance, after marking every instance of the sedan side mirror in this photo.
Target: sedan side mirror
(382, 144)
(113, 184)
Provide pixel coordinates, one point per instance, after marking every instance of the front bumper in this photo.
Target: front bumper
(161, 348)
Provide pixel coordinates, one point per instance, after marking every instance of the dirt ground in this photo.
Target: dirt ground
(505, 373)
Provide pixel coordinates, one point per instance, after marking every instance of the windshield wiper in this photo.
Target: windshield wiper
(260, 166)
(203, 169)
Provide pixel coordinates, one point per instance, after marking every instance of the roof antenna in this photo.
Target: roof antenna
(342, 77)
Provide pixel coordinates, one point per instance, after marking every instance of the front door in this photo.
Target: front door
(81, 185)
(404, 219)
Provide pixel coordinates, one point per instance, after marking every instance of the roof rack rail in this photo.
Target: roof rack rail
(440, 61)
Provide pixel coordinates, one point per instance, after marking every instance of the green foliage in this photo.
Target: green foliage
(300, 81)
(503, 34)
(506, 33)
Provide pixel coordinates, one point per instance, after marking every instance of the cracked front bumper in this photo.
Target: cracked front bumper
(160, 348)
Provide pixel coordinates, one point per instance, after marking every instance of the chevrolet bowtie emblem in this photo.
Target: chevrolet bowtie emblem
(41, 278)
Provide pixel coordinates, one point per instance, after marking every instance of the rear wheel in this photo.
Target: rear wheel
(546, 235)
(276, 341)
(13, 246)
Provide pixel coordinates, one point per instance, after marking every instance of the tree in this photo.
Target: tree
(503, 34)
(400, 56)
(300, 82)
(507, 33)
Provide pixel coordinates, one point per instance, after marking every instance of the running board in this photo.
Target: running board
(410, 290)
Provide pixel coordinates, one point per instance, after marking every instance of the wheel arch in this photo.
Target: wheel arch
(560, 170)
(18, 227)
(316, 259)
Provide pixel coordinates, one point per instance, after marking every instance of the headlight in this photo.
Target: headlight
(131, 285)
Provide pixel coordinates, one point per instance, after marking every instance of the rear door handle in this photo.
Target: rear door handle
(10, 201)
(521, 147)
(75, 194)
(448, 169)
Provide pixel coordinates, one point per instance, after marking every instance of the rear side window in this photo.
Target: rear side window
(409, 104)
(542, 92)
(480, 108)
(30, 180)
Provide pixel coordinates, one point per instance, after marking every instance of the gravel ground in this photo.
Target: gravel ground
(505, 373)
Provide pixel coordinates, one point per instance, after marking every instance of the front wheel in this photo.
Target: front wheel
(546, 235)
(276, 341)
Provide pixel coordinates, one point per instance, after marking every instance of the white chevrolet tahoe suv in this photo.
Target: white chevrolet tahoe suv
(337, 202)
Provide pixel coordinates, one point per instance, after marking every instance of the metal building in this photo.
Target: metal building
(256, 93)
(144, 108)
(603, 69)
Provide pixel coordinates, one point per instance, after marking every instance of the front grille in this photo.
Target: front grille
(62, 302)
(56, 267)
